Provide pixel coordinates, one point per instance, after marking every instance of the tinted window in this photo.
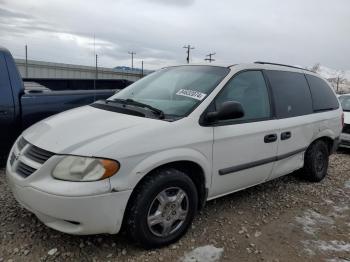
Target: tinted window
(249, 89)
(322, 95)
(291, 93)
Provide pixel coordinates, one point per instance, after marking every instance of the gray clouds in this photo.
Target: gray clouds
(293, 31)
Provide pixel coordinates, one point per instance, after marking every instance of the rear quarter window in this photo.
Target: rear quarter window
(291, 93)
(323, 97)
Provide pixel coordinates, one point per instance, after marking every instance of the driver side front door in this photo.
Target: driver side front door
(244, 149)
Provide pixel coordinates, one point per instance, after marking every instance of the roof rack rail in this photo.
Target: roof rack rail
(268, 63)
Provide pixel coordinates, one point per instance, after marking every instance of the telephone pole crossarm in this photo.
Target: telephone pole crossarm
(210, 58)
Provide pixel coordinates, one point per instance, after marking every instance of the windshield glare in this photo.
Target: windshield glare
(345, 102)
(175, 90)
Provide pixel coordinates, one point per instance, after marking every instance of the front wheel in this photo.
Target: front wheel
(316, 161)
(162, 208)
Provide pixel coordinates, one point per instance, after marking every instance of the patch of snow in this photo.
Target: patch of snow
(328, 201)
(207, 253)
(333, 245)
(341, 209)
(336, 260)
(312, 220)
(347, 184)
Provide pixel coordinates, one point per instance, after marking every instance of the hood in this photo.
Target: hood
(68, 132)
(346, 117)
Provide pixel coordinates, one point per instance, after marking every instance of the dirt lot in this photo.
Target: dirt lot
(284, 220)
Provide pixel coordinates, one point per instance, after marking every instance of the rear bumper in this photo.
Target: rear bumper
(74, 215)
(344, 140)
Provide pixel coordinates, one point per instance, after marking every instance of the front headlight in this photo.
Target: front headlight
(77, 168)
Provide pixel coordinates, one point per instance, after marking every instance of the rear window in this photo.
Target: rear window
(291, 93)
(322, 95)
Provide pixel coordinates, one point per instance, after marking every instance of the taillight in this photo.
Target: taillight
(342, 119)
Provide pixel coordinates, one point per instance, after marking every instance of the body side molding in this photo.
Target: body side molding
(229, 170)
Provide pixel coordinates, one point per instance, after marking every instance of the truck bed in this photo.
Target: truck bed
(37, 106)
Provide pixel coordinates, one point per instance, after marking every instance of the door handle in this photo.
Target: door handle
(286, 135)
(270, 138)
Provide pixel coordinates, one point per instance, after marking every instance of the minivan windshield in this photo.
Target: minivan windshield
(345, 103)
(174, 91)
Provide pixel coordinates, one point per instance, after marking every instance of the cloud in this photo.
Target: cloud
(4, 13)
(290, 32)
(174, 2)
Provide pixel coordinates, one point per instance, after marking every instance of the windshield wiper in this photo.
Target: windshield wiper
(129, 101)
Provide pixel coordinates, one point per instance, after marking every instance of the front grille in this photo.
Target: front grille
(346, 129)
(27, 158)
(24, 170)
(12, 159)
(38, 155)
(21, 143)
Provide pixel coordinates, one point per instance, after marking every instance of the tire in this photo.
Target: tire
(316, 161)
(150, 204)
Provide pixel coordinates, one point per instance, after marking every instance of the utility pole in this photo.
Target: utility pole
(209, 57)
(142, 68)
(26, 51)
(132, 53)
(96, 70)
(189, 48)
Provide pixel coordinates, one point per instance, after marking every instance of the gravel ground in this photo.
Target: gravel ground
(287, 219)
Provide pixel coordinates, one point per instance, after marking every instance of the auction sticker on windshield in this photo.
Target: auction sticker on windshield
(191, 93)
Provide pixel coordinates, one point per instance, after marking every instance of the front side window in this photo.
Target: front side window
(249, 89)
(176, 91)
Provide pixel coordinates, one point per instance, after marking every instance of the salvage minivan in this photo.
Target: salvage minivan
(149, 157)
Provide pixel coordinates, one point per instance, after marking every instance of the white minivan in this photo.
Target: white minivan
(149, 157)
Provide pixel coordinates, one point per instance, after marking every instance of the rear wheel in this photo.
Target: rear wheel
(316, 161)
(162, 208)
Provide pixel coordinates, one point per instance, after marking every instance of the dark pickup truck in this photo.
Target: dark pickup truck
(21, 107)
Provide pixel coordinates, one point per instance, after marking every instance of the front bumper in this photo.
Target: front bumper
(81, 215)
(344, 140)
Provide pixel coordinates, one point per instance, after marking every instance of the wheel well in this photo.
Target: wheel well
(329, 142)
(193, 170)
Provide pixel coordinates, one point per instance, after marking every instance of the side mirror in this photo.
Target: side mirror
(228, 110)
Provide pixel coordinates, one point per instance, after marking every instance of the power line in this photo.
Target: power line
(188, 47)
(132, 53)
(209, 57)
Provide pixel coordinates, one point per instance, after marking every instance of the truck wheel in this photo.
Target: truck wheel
(316, 161)
(162, 208)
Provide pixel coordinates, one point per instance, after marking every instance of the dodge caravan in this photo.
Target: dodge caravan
(149, 157)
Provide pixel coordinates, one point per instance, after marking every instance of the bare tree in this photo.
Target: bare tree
(315, 67)
(340, 80)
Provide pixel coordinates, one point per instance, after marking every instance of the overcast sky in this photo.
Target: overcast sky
(298, 32)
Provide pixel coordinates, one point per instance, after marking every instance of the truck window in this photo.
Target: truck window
(249, 89)
(291, 93)
(5, 88)
(322, 96)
